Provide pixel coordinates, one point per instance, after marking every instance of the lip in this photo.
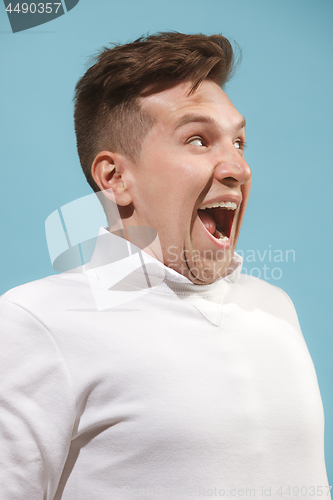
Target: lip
(218, 199)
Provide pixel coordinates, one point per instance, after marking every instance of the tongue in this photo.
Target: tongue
(207, 221)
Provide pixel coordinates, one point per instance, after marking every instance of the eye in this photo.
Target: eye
(196, 141)
(239, 144)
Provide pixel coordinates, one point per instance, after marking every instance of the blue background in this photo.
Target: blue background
(284, 89)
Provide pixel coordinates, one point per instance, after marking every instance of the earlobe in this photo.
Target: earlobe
(109, 172)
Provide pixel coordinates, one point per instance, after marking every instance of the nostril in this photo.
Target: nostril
(229, 181)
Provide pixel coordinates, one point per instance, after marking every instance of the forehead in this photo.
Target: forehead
(175, 106)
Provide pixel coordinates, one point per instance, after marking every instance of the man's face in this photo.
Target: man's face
(192, 182)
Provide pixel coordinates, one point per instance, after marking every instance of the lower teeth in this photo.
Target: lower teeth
(222, 237)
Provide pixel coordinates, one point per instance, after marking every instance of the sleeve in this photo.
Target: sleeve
(37, 407)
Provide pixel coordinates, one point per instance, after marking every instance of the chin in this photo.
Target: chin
(207, 274)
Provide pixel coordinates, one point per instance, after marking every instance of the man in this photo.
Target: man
(160, 371)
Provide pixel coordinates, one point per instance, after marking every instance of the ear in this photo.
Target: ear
(110, 172)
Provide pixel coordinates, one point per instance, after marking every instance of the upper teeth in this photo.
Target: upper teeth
(223, 204)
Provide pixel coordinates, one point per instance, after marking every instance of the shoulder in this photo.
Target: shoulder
(256, 294)
(261, 288)
(51, 293)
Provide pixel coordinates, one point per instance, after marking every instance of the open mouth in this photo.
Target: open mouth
(218, 218)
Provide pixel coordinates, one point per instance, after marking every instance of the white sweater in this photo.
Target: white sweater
(173, 391)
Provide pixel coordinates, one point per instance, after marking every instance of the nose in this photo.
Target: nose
(232, 170)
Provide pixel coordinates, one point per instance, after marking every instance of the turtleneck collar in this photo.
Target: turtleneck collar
(115, 259)
(127, 273)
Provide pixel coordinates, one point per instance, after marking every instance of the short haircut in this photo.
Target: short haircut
(108, 115)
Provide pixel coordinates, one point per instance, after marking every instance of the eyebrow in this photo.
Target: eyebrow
(203, 119)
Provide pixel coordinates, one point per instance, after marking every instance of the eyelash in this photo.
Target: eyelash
(242, 144)
(197, 137)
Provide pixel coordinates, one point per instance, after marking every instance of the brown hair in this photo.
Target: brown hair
(108, 115)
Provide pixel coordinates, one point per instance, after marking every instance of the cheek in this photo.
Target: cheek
(191, 180)
(245, 194)
(246, 188)
(169, 176)
(161, 170)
